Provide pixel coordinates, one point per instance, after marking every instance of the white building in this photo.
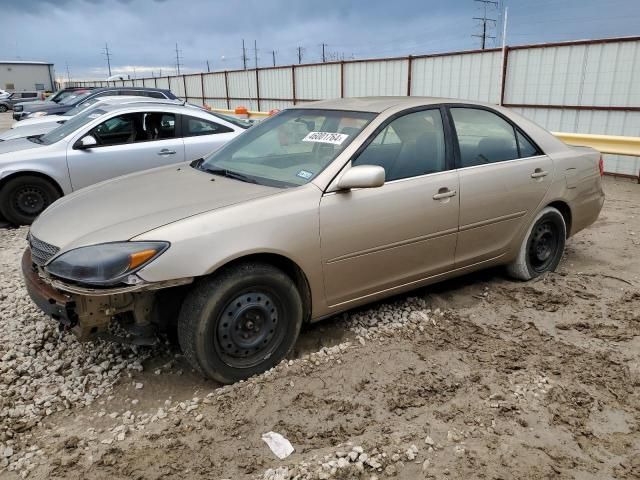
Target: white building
(18, 75)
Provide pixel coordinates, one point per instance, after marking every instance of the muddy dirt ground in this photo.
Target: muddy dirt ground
(488, 378)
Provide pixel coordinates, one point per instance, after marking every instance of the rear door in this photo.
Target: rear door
(503, 178)
(203, 136)
(126, 143)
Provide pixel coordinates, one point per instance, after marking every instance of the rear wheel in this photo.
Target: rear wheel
(3, 108)
(241, 322)
(542, 247)
(23, 198)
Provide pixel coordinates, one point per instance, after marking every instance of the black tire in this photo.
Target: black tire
(23, 198)
(3, 108)
(240, 322)
(542, 247)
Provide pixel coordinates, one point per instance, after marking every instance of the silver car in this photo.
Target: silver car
(44, 124)
(314, 211)
(100, 144)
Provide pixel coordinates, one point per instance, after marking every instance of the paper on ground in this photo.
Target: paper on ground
(278, 444)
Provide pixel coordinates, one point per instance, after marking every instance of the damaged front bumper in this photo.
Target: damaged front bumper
(88, 312)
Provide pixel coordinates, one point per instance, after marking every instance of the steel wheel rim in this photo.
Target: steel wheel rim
(250, 328)
(544, 245)
(30, 200)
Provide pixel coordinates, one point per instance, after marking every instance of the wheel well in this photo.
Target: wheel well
(289, 267)
(32, 174)
(565, 210)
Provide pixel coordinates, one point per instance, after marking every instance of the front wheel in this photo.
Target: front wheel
(3, 108)
(240, 322)
(542, 247)
(23, 198)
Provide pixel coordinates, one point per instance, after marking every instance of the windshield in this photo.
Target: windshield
(68, 127)
(289, 149)
(81, 107)
(238, 122)
(73, 98)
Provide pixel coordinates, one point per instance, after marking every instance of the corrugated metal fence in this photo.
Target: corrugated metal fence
(589, 86)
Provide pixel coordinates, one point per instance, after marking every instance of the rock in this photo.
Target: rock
(429, 441)
(7, 452)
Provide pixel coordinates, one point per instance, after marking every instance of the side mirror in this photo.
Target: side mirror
(362, 176)
(85, 142)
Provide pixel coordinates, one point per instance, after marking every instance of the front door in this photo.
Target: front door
(503, 179)
(126, 143)
(376, 239)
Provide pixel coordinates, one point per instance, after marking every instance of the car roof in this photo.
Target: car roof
(148, 89)
(150, 105)
(380, 104)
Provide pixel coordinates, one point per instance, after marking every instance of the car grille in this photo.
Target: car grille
(41, 252)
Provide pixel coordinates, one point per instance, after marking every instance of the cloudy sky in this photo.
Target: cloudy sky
(142, 34)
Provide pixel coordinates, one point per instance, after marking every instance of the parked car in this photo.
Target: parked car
(4, 94)
(42, 125)
(99, 144)
(316, 210)
(8, 103)
(27, 110)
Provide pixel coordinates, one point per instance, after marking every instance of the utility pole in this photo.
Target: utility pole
(208, 68)
(244, 55)
(178, 64)
(106, 53)
(504, 52)
(300, 52)
(485, 20)
(273, 55)
(324, 58)
(255, 53)
(68, 74)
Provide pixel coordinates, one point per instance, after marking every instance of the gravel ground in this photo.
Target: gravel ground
(478, 377)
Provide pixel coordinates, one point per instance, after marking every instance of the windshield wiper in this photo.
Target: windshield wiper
(35, 138)
(229, 174)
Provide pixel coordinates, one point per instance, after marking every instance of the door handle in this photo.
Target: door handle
(166, 151)
(444, 193)
(539, 173)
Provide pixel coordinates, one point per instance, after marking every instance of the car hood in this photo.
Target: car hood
(16, 145)
(35, 103)
(27, 130)
(40, 106)
(125, 207)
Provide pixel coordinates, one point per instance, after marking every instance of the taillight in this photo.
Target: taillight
(601, 166)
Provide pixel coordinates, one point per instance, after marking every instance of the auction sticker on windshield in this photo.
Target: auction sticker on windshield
(326, 137)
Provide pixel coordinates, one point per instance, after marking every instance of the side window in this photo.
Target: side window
(198, 126)
(135, 127)
(158, 126)
(155, 95)
(525, 146)
(483, 137)
(117, 130)
(29, 95)
(409, 146)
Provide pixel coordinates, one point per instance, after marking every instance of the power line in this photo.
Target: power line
(106, 53)
(485, 20)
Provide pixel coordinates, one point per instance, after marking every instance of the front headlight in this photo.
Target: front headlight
(36, 114)
(105, 263)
